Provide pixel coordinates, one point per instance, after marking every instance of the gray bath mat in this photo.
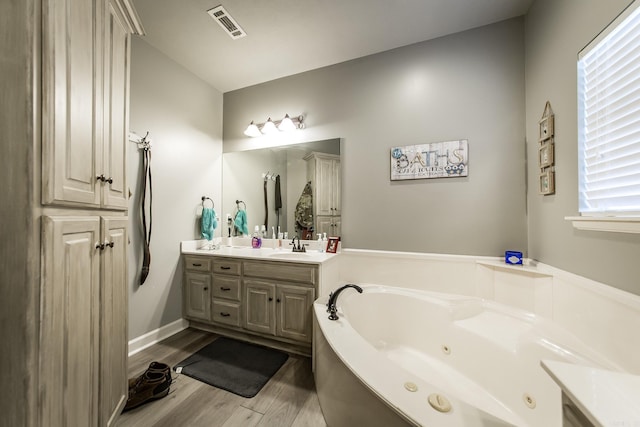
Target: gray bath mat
(232, 365)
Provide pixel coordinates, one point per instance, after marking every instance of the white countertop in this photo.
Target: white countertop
(265, 253)
(606, 398)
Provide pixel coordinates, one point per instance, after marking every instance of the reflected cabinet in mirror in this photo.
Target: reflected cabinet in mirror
(293, 187)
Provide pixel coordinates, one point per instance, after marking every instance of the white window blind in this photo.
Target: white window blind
(609, 119)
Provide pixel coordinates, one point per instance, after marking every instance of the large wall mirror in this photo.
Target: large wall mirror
(304, 177)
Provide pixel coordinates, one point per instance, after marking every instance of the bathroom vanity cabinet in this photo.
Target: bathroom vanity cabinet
(264, 301)
(278, 299)
(226, 292)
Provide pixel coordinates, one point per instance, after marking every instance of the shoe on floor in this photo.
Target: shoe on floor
(152, 386)
(153, 367)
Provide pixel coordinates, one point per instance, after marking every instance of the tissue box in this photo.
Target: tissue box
(513, 257)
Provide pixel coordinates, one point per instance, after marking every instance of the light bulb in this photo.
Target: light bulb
(286, 124)
(269, 127)
(252, 130)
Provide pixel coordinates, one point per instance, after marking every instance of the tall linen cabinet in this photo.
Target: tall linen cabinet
(65, 238)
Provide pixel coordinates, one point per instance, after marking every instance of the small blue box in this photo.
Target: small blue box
(513, 257)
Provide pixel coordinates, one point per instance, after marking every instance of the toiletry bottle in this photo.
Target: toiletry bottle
(320, 248)
(256, 241)
(324, 240)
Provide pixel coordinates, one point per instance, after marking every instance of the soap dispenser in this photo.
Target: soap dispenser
(320, 246)
(256, 240)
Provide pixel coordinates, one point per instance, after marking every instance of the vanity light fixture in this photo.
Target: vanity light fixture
(270, 126)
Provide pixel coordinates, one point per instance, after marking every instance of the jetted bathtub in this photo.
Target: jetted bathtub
(404, 357)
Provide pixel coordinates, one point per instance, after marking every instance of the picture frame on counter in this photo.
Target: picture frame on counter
(332, 245)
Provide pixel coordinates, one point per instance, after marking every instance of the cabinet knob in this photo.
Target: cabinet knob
(107, 243)
(278, 300)
(196, 265)
(270, 299)
(224, 314)
(222, 288)
(205, 288)
(100, 246)
(102, 178)
(224, 267)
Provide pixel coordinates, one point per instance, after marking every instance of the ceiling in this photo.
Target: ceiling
(286, 37)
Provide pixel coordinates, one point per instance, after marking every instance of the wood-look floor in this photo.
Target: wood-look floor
(288, 399)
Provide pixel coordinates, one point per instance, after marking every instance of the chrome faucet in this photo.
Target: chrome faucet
(333, 298)
(299, 248)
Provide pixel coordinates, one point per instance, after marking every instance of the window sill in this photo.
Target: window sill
(610, 224)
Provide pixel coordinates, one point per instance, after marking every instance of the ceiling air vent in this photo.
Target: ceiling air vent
(227, 23)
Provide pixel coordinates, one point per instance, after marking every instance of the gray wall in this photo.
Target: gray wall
(19, 212)
(184, 117)
(468, 85)
(555, 32)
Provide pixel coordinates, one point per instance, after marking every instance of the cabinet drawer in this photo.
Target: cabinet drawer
(193, 263)
(305, 273)
(226, 287)
(229, 266)
(226, 312)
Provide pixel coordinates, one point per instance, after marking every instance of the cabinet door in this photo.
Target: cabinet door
(336, 226)
(335, 186)
(69, 322)
(294, 312)
(332, 225)
(113, 304)
(116, 93)
(197, 298)
(260, 311)
(71, 102)
(324, 224)
(323, 197)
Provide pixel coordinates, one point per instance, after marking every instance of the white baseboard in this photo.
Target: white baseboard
(152, 337)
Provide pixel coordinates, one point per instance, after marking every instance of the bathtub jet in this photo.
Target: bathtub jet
(333, 299)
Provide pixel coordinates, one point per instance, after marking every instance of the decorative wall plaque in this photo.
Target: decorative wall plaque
(546, 146)
(436, 160)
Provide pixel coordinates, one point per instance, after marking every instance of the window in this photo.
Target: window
(609, 119)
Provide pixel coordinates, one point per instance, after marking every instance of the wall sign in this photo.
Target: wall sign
(436, 160)
(546, 146)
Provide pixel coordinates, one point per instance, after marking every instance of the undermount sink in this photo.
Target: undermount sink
(293, 255)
